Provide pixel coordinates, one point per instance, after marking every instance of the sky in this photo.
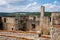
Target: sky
(29, 5)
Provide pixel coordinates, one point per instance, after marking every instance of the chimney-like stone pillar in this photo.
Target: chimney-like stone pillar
(39, 27)
(52, 17)
(42, 17)
(42, 11)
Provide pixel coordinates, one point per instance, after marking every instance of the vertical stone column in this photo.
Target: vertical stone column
(38, 29)
(52, 17)
(51, 32)
(51, 28)
(16, 22)
(42, 17)
(42, 11)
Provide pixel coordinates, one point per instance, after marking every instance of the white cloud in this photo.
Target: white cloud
(34, 3)
(30, 7)
(7, 7)
(17, 1)
(55, 2)
(52, 7)
(2, 2)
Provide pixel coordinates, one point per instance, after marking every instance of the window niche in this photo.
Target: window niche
(4, 19)
(33, 26)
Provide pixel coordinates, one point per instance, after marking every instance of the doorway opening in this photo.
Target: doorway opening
(1, 24)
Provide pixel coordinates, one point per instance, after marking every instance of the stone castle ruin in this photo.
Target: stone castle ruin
(44, 24)
(29, 22)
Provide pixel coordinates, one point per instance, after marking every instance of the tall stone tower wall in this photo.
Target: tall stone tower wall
(42, 17)
(42, 11)
(44, 21)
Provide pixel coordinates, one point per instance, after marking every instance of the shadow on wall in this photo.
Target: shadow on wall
(1, 24)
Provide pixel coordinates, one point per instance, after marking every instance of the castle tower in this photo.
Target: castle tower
(42, 17)
(41, 24)
(42, 11)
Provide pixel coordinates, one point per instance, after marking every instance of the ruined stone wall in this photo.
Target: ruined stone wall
(56, 17)
(23, 23)
(55, 23)
(8, 23)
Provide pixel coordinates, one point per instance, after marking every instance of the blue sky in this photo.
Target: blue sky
(29, 5)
